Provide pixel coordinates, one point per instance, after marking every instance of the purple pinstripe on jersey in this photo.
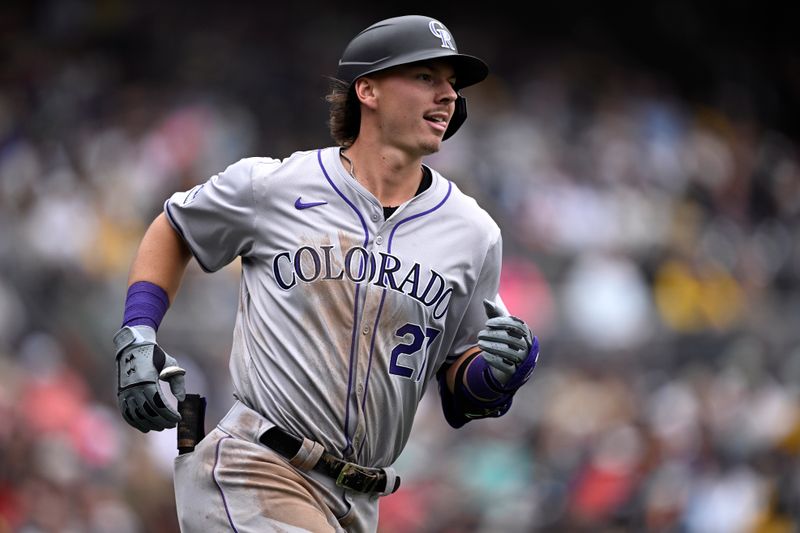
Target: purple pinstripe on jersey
(383, 297)
(354, 335)
(412, 217)
(369, 365)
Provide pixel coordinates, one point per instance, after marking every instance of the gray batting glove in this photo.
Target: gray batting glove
(140, 364)
(505, 342)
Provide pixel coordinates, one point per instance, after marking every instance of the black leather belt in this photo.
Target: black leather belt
(347, 475)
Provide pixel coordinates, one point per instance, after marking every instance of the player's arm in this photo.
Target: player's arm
(153, 282)
(161, 258)
(212, 222)
(482, 382)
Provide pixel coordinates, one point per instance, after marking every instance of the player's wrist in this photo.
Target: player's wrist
(145, 305)
(481, 382)
(476, 388)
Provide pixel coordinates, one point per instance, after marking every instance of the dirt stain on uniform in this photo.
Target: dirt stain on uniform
(329, 313)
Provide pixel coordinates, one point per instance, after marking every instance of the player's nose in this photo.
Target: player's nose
(445, 93)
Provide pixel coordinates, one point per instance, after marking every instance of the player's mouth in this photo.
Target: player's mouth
(438, 121)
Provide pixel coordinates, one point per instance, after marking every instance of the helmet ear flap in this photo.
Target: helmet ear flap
(458, 118)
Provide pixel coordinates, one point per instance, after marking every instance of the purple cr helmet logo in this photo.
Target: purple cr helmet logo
(438, 29)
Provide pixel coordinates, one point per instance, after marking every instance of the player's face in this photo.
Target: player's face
(415, 105)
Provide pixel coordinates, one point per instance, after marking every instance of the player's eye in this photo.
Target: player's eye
(424, 76)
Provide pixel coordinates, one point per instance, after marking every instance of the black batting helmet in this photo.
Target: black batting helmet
(408, 39)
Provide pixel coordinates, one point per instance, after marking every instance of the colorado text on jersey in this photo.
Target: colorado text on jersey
(309, 264)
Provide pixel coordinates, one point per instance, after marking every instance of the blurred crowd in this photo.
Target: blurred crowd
(651, 241)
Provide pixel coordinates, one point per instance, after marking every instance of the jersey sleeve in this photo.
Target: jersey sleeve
(217, 218)
(487, 287)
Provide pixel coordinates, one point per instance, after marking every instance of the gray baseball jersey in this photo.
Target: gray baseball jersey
(344, 317)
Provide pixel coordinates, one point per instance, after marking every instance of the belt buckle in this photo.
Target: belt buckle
(358, 478)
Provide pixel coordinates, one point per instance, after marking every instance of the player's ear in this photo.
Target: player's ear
(365, 89)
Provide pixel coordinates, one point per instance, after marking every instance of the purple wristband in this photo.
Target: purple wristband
(145, 305)
(481, 385)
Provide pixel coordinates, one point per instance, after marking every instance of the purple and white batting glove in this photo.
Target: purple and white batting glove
(141, 363)
(508, 346)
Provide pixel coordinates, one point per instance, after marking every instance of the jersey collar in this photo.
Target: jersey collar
(358, 193)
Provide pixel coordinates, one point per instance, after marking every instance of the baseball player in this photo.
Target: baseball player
(365, 276)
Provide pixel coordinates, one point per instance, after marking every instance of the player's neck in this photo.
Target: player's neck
(390, 175)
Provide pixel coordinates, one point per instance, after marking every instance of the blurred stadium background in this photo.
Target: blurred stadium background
(641, 158)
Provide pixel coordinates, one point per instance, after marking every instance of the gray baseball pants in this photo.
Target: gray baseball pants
(232, 482)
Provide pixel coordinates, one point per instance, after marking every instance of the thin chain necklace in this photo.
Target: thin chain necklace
(352, 167)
